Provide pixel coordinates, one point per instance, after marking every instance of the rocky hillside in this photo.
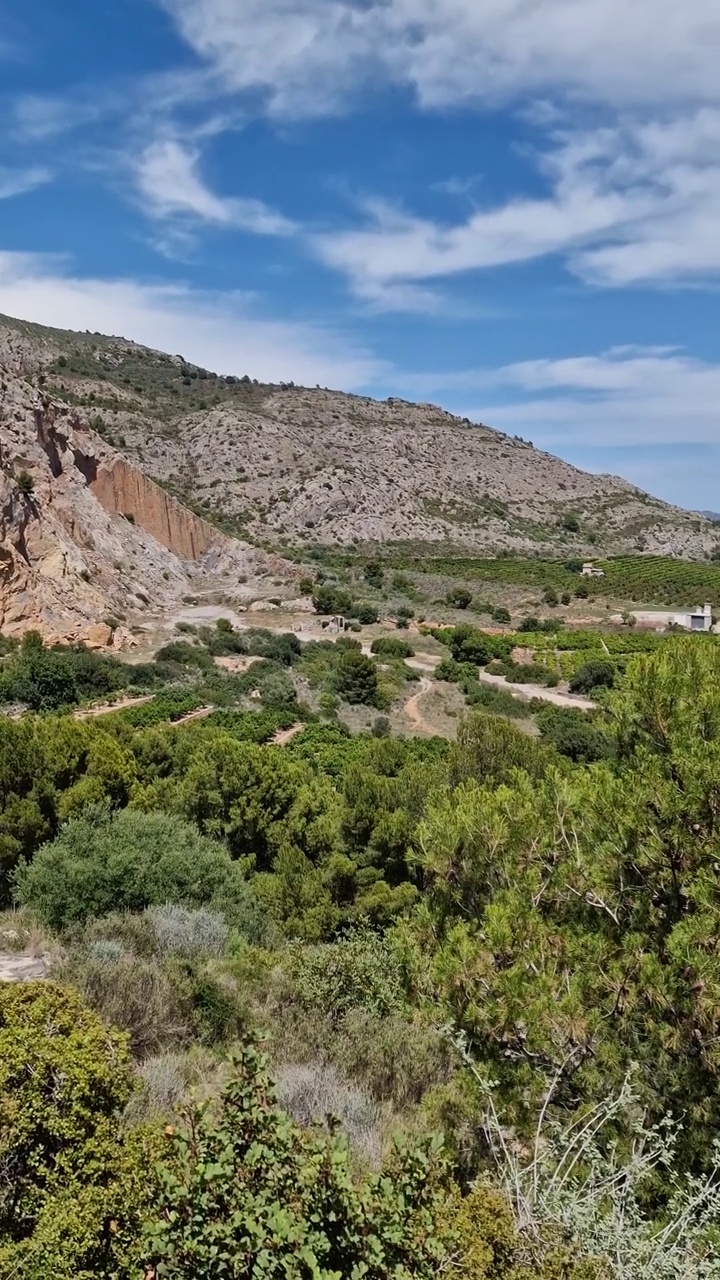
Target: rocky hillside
(85, 534)
(286, 466)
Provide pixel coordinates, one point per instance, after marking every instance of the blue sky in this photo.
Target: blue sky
(508, 207)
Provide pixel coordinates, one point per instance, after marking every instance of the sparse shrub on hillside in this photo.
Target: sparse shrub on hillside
(188, 931)
(25, 484)
(403, 617)
(374, 574)
(500, 615)
(459, 597)
(312, 1091)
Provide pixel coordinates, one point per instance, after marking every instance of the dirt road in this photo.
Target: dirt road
(528, 691)
(426, 662)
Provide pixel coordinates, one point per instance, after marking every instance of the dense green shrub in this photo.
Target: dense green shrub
(489, 751)
(556, 889)
(72, 1191)
(284, 648)
(392, 647)
(356, 678)
(360, 971)
(329, 599)
(366, 614)
(245, 1192)
(47, 679)
(459, 597)
(104, 861)
(596, 674)
(574, 734)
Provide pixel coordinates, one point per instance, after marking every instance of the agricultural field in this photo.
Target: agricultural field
(638, 580)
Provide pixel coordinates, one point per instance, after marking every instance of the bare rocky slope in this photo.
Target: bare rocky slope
(110, 429)
(84, 533)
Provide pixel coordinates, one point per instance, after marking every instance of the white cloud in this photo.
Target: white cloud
(308, 56)
(633, 203)
(219, 331)
(37, 117)
(625, 397)
(170, 185)
(15, 182)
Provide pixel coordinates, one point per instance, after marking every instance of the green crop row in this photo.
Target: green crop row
(648, 580)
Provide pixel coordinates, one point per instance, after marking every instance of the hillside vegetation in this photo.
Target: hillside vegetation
(493, 962)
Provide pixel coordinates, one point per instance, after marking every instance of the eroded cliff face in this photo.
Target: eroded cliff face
(69, 554)
(124, 490)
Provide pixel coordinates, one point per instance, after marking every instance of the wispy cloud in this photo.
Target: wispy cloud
(226, 332)
(624, 397)
(170, 185)
(37, 117)
(15, 182)
(311, 56)
(633, 203)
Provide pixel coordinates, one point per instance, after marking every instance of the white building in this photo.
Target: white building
(589, 571)
(699, 619)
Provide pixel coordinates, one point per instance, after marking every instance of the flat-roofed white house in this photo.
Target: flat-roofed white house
(699, 619)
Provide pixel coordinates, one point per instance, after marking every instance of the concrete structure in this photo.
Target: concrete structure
(589, 571)
(699, 619)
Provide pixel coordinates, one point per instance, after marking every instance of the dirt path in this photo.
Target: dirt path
(528, 691)
(413, 712)
(423, 662)
(200, 714)
(426, 662)
(21, 968)
(105, 709)
(284, 736)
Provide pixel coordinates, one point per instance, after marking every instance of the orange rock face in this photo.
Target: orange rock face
(123, 490)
